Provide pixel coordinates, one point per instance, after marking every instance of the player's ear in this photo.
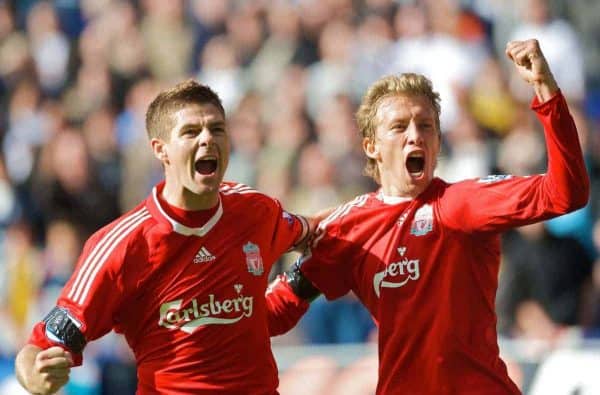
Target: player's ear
(159, 148)
(371, 149)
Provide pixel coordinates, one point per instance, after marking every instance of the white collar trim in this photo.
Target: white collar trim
(185, 230)
(393, 199)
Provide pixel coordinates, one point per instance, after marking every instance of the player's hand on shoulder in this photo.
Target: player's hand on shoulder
(51, 370)
(324, 213)
(313, 224)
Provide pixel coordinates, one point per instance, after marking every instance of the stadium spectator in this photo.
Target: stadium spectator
(422, 254)
(221, 69)
(140, 171)
(331, 74)
(283, 46)
(543, 272)
(468, 151)
(49, 46)
(543, 275)
(69, 185)
(422, 41)
(168, 39)
(591, 313)
(183, 275)
(246, 128)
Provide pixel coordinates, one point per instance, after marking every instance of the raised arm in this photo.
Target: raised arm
(566, 181)
(498, 203)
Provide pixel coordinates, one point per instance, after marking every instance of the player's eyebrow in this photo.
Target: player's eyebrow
(216, 123)
(210, 124)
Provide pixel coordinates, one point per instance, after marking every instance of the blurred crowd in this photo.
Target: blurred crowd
(76, 77)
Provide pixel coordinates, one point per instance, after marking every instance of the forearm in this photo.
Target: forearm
(24, 365)
(284, 308)
(545, 89)
(288, 298)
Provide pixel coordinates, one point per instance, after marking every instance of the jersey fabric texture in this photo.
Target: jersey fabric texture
(427, 268)
(189, 300)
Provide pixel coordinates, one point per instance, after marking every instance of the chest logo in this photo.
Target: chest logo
(397, 274)
(208, 311)
(203, 255)
(423, 221)
(253, 259)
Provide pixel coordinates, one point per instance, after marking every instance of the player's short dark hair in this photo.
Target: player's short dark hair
(406, 84)
(159, 117)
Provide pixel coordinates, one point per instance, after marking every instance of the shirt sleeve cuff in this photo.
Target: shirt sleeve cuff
(39, 339)
(537, 105)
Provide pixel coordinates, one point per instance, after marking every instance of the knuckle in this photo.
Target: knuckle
(38, 361)
(48, 387)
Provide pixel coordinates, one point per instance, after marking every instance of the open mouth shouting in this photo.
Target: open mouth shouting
(207, 165)
(415, 164)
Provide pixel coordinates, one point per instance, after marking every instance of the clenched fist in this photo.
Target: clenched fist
(533, 67)
(51, 368)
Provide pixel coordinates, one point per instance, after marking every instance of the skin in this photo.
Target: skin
(405, 126)
(199, 132)
(43, 371)
(533, 67)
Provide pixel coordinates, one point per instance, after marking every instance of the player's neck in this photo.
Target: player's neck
(392, 190)
(182, 198)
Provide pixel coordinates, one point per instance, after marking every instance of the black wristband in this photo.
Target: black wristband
(63, 328)
(301, 286)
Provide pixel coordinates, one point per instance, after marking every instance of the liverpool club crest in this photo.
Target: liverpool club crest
(253, 259)
(423, 222)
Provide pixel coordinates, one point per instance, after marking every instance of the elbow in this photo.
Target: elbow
(577, 199)
(581, 198)
(578, 204)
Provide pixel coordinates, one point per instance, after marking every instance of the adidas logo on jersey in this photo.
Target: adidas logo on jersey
(203, 255)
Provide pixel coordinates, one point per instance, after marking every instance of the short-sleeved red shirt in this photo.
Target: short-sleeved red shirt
(189, 300)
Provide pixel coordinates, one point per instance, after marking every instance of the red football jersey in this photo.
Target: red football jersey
(189, 300)
(427, 268)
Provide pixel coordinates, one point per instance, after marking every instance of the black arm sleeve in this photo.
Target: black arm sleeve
(301, 286)
(63, 328)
